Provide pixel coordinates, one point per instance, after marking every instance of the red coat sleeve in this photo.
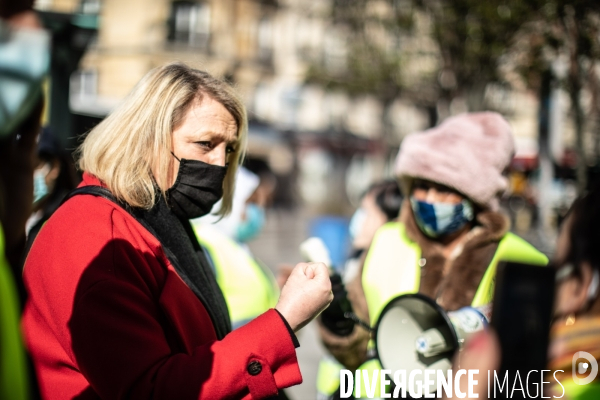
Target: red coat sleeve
(96, 318)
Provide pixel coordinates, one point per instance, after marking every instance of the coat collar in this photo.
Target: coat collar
(89, 179)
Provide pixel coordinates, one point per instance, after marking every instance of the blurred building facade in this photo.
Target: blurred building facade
(265, 47)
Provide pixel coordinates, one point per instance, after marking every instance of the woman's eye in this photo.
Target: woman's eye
(206, 145)
(443, 189)
(421, 186)
(230, 149)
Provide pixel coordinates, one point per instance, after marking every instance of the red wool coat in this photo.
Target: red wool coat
(108, 317)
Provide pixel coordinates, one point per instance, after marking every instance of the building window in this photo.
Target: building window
(84, 83)
(43, 5)
(335, 52)
(265, 40)
(90, 6)
(189, 23)
(83, 92)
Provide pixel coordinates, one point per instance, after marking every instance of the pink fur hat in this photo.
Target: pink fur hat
(467, 152)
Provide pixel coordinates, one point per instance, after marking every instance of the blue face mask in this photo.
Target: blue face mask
(24, 62)
(40, 189)
(439, 219)
(252, 225)
(356, 222)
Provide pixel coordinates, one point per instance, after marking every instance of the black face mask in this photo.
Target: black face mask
(197, 188)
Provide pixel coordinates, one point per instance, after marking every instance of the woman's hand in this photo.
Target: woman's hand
(305, 294)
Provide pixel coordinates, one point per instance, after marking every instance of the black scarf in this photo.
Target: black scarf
(187, 257)
(183, 251)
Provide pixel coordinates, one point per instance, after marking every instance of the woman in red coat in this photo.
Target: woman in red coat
(123, 303)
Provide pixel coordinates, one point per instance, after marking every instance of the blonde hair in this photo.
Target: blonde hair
(135, 140)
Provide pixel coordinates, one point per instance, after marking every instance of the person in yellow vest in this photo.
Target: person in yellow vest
(24, 61)
(379, 204)
(249, 288)
(450, 234)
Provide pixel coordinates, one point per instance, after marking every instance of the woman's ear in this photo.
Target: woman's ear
(572, 292)
(586, 281)
(592, 285)
(581, 290)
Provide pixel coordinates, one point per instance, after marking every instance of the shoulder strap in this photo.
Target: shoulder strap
(94, 191)
(103, 192)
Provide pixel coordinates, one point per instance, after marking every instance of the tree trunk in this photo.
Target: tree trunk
(475, 97)
(575, 77)
(578, 119)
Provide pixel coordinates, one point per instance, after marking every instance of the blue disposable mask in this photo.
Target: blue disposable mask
(40, 188)
(24, 62)
(356, 222)
(252, 225)
(439, 219)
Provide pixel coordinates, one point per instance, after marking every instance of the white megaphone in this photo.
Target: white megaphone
(314, 249)
(414, 333)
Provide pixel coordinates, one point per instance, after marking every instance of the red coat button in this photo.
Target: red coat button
(254, 368)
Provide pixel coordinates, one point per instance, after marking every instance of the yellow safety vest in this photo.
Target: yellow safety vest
(249, 289)
(14, 382)
(392, 269)
(574, 391)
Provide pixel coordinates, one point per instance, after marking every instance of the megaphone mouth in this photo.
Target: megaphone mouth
(401, 322)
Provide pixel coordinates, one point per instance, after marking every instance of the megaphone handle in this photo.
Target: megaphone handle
(359, 321)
